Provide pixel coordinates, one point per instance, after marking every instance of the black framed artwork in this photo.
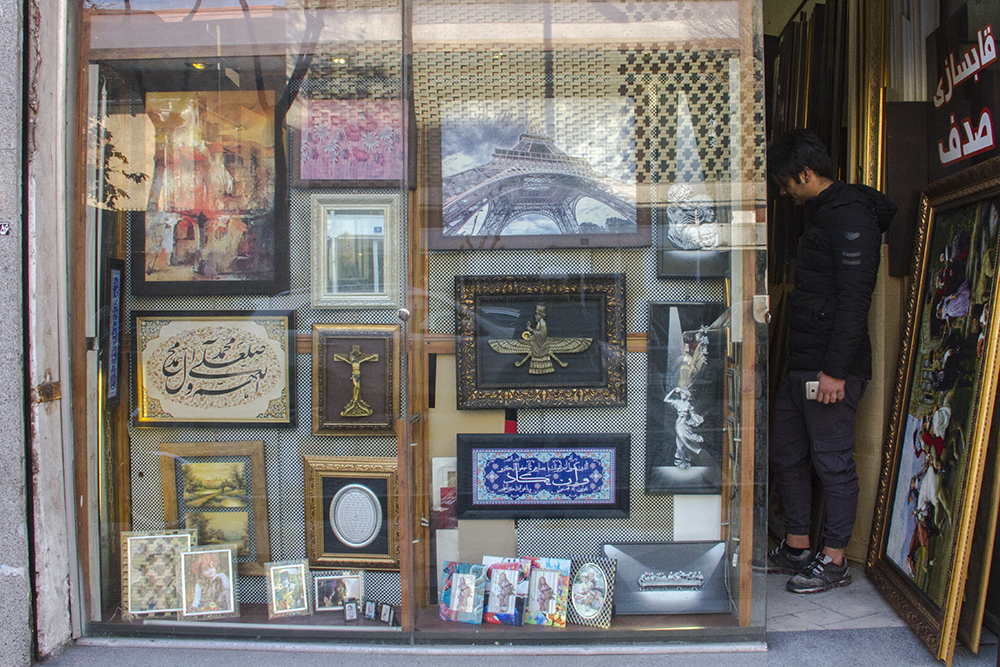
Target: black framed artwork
(112, 317)
(689, 235)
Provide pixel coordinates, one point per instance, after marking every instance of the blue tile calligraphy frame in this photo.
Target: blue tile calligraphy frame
(522, 476)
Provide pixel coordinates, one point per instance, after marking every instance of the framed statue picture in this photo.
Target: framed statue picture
(685, 398)
(214, 367)
(352, 509)
(540, 341)
(218, 489)
(210, 225)
(943, 404)
(355, 379)
(690, 229)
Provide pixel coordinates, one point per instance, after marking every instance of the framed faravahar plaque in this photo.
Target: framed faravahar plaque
(351, 509)
(355, 379)
(219, 367)
(540, 341)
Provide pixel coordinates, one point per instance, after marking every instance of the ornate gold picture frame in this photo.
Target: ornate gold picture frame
(352, 510)
(355, 387)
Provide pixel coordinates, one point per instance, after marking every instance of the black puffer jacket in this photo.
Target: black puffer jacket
(836, 268)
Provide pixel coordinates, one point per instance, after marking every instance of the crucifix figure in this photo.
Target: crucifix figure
(357, 407)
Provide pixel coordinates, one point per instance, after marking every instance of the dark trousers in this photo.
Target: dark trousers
(804, 431)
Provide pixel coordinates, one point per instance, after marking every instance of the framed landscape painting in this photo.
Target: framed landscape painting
(944, 397)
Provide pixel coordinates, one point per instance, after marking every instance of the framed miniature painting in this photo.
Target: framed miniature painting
(537, 173)
(355, 379)
(355, 250)
(506, 590)
(350, 144)
(685, 398)
(370, 610)
(591, 591)
(333, 589)
(150, 586)
(387, 614)
(548, 592)
(112, 316)
(232, 368)
(208, 589)
(689, 233)
(670, 577)
(352, 508)
(288, 588)
(942, 409)
(351, 610)
(462, 592)
(540, 341)
(519, 476)
(211, 225)
(218, 489)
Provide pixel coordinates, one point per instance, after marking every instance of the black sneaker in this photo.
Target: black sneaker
(821, 574)
(780, 560)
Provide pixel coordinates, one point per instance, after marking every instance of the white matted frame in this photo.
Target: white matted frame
(355, 250)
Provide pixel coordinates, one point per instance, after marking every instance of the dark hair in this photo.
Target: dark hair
(788, 156)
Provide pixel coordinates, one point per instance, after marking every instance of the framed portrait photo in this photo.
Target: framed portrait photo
(517, 476)
(462, 593)
(356, 379)
(943, 404)
(112, 318)
(218, 489)
(212, 226)
(370, 609)
(288, 588)
(150, 586)
(685, 398)
(540, 341)
(355, 250)
(548, 592)
(591, 591)
(352, 510)
(208, 588)
(216, 367)
(351, 610)
(332, 590)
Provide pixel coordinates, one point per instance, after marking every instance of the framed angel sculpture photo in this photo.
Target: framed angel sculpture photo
(540, 341)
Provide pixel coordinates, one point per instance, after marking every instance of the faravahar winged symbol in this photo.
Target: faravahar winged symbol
(536, 345)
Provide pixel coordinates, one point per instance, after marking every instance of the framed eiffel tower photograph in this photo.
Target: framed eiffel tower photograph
(355, 379)
(540, 341)
(536, 173)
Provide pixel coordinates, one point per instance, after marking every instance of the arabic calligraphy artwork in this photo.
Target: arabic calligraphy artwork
(689, 235)
(514, 476)
(548, 592)
(685, 398)
(355, 379)
(944, 397)
(288, 588)
(350, 144)
(962, 75)
(352, 509)
(149, 571)
(210, 225)
(112, 313)
(591, 591)
(219, 490)
(670, 578)
(231, 367)
(462, 593)
(530, 341)
(537, 173)
(355, 256)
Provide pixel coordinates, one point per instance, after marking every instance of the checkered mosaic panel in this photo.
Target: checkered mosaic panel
(651, 518)
(517, 11)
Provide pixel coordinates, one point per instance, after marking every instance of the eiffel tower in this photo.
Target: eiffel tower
(534, 177)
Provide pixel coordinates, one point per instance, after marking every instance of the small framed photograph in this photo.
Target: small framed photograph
(334, 589)
(388, 614)
(351, 610)
(288, 588)
(370, 610)
(592, 586)
(207, 583)
(356, 379)
(355, 250)
(548, 590)
(505, 576)
(112, 313)
(463, 589)
(149, 571)
(351, 506)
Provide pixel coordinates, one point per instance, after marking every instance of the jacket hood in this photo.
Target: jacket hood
(842, 194)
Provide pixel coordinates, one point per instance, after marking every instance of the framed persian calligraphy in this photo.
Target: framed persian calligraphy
(218, 367)
(355, 379)
(540, 341)
(218, 489)
(943, 404)
(352, 509)
(112, 317)
(545, 476)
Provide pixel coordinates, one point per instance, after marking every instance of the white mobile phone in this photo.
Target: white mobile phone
(812, 389)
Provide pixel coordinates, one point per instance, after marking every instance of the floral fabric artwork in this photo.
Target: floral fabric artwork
(352, 140)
